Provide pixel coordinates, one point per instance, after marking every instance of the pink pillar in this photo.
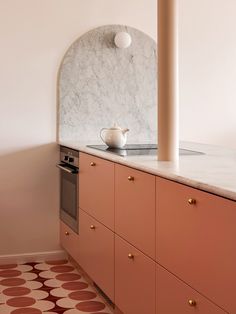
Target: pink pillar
(168, 85)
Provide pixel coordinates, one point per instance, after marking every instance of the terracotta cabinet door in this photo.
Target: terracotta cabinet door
(196, 237)
(135, 208)
(96, 253)
(96, 188)
(69, 240)
(134, 280)
(175, 297)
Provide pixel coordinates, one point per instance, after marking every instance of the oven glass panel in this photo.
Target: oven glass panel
(69, 193)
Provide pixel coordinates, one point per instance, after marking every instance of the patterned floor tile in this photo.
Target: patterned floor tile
(47, 287)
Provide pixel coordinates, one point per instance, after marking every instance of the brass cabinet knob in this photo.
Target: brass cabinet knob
(130, 178)
(130, 256)
(66, 233)
(92, 227)
(192, 201)
(192, 302)
(92, 164)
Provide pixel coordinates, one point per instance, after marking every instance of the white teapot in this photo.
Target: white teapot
(114, 137)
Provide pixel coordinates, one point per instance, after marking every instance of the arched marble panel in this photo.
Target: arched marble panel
(100, 84)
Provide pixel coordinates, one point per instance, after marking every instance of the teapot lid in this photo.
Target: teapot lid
(115, 127)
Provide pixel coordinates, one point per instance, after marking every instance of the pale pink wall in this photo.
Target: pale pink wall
(34, 36)
(208, 71)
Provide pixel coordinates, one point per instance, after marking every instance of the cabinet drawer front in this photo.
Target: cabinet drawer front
(69, 240)
(134, 280)
(96, 253)
(196, 240)
(175, 297)
(96, 188)
(135, 208)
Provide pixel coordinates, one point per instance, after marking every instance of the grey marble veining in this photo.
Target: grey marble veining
(100, 84)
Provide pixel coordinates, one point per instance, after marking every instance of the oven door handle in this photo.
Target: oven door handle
(72, 171)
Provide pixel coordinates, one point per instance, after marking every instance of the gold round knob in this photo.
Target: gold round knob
(191, 201)
(92, 227)
(66, 233)
(130, 178)
(130, 256)
(92, 164)
(192, 302)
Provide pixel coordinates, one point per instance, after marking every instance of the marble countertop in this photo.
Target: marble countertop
(214, 171)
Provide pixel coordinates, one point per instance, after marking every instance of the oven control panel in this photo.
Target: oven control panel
(69, 156)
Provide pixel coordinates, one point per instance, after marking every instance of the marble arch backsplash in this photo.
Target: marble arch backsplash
(100, 84)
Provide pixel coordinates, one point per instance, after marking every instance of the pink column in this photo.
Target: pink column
(168, 98)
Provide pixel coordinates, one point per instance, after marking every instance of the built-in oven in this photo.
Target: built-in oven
(69, 181)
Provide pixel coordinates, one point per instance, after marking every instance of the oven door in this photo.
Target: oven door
(69, 196)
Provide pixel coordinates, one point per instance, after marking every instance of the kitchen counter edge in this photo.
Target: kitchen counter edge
(213, 172)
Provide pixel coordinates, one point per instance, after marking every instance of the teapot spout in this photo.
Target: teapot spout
(124, 131)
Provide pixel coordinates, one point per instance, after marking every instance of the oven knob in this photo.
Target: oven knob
(71, 159)
(66, 158)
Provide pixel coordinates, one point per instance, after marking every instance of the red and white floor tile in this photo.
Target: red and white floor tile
(47, 288)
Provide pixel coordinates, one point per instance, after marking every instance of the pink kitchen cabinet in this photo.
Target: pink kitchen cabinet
(69, 240)
(134, 280)
(196, 240)
(153, 246)
(135, 208)
(96, 252)
(96, 188)
(175, 297)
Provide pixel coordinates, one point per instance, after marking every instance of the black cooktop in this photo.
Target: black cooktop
(138, 149)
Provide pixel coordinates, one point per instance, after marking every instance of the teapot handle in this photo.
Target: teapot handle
(103, 129)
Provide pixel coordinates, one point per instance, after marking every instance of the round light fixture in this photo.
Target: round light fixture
(122, 40)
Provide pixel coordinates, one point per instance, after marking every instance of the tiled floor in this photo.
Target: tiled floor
(47, 288)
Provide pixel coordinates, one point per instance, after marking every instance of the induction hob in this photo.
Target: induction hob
(139, 149)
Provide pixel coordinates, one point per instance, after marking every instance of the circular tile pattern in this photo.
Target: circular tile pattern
(44, 305)
(46, 287)
(59, 292)
(52, 283)
(24, 268)
(27, 310)
(21, 302)
(82, 295)
(66, 303)
(68, 277)
(16, 291)
(90, 306)
(62, 269)
(10, 273)
(8, 266)
(42, 266)
(12, 282)
(47, 274)
(28, 276)
(39, 294)
(33, 285)
(76, 285)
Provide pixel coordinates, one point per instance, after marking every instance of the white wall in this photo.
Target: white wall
(34, 36)
(208, 71)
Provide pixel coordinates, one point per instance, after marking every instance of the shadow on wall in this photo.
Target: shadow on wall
(29, 202)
